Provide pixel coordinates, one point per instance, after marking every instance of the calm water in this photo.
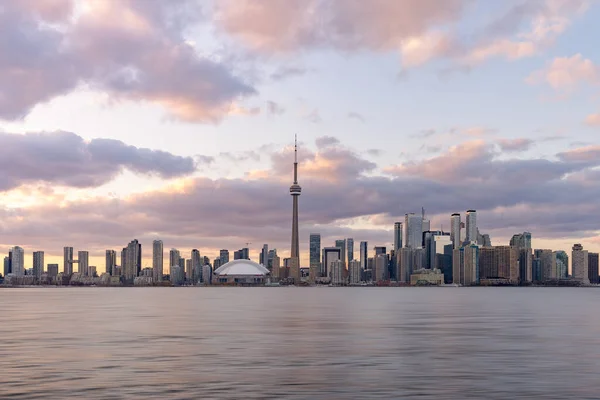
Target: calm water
(337, 343)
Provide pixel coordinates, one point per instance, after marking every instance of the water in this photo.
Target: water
(336, 343)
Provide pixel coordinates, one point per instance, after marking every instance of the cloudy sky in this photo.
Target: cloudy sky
(175, 120)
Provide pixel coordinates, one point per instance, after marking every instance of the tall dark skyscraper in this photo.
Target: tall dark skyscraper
(364, 254)
(295, 191)
(350, 249)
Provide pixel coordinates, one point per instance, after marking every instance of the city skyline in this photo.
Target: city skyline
(183, 132)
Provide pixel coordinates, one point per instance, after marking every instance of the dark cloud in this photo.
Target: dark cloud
(515, 145)
(64, 158)
(325, 141)
(133, 50)
(288, 72)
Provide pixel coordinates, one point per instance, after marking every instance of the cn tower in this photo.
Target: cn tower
(295, 191)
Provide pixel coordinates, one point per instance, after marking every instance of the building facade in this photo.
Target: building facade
(68, 260)
(110, 262)
(455, 225)
(158, 265)
(412, 235)
(579, 259)
(38, 263)
(471, 226)
(593, 268)
(364, 255)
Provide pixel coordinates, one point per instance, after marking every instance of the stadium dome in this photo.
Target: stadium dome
(241, 268)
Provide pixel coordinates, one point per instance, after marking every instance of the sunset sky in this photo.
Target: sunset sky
(176, 119)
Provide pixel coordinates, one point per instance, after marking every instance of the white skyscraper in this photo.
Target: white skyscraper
(455, 230)
(471, 226)
(413, 231)
(157, 260)
(18, 261)
(38, 263)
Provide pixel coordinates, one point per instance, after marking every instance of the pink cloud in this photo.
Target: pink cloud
(566, 73)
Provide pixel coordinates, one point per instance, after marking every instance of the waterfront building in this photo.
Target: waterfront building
(181, 264)
(341, 244)
(8, 264)
(330, 254)
(560, 264)
(337, 272)
(545, 264)
(579, 259)
(455, 226)
(241, 271)
(466, 265)
(133, 260)
(434, 242)
(157, 260)
(525, 261)
(364, 255)
(350, 249)
(354, 272)
(381, 268)
(224, 256)
(174, 257)
(536, 270)
(110, 262)
(176, 275)
(216, 263)
(207, 274)
(593, 268)
(314, 256)
(196, 266)
(295, 191)
(471, 227)
(83, 258)
(189, 270)
(397, 236)
(52, 270)
(38, 263)
(68, 260)
(276, 269)
(499, 262)
(413, 231)
(263, 257)
(427, 277)
(521, 240)
(92, 271)
(404, 264)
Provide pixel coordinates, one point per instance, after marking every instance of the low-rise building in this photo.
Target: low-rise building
(427, 277)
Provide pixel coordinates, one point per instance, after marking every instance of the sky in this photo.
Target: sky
(175, 120)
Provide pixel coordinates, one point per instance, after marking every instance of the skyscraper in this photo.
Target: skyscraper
(413, 231)
(111, 262)
(174, 257)
(341, 244)
(314, 256)
(295, 191)
(521, 240)
(471, 228)
(545, 260)
(7, 266)
(364, 254)
(579, 259)
(83, 258)
(38, 263)
(224, 256)
(133, 260)
(350, 248)
(455, 230)
(434, 242)
(330, 254)
(560, 264)
(264, 255)
(18, 261)
(196, 266)
(68, 260)
(593, 268)
(397, 236)
(157, 260)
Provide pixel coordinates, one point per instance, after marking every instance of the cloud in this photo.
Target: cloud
(133, 50)
(566, 73)
(288, 72)
(326, 141)
(356, 116)
(274, 109)
(64, 158)
(593, 119)
(314, 116)
(479, 131)
(515, 145)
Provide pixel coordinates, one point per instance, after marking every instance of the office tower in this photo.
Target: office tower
(579, 260)
(484, 240)
(207, 274)
(545, 264)
(560, 264)
(68, 260)
(7, 266)
(350, 248)
(330, 254)
(196, 266)
(181, 263)
(434, 242)
(110, 262)
(276, 269)
(189, 270)
(38, 263)
(83, 258)
(521, 240)
(536, 270)
(336, 272)
(157, 260)
(471, 226)
(381, 268)
(455, 230)
(123, 261)
(379, 250)
(499, 262)
(174, 257)
(413, 231)
(354, 272)
(224, 256)
(397, 236)
(52, 270)
(341, 244)
(466, 265)
(264, 256)
(133, 260)
(525, 265)
(216, 263)
(593, 268)
(364, 255)
(314, 244)
(404, 264)
(177, 275)
(443, 261)
(92, 271)
(205, 260)
(295, 191)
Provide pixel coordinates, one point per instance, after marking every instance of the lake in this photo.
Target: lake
(299, 343)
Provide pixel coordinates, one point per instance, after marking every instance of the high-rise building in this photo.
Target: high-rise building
(364, 254)
(404, 264)
(52, 270)
(216, 263)
(174, 257)
(466, 265)
(92, 271)
(521, 240)
(314, 255)
(38, 263)
(379, 250)
(224, 256)
(544, 265)
(579, 260)
(330, 254)
(196, 266)
(525, 265)
(177, 275)
(276, 268)
(341, 244)
(295, 191)
(181, 263)
(189, 270)
(413, 231)
(264, 256)
(471, 227)
(354, 272)
(207, 274)
(593, 268)
(68, 260)
(499, 262)
(8, 264)
(123, 261)
(110, 262)
(350, 248)
(337, 272)
(455, 230)
(18, 261)
(434, 242)
(381, 268)
(83, 258)
(133, 260)
(560, 264)
(397, 236)
(158, 265)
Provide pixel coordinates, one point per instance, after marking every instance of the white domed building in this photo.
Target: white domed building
(243, 272)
